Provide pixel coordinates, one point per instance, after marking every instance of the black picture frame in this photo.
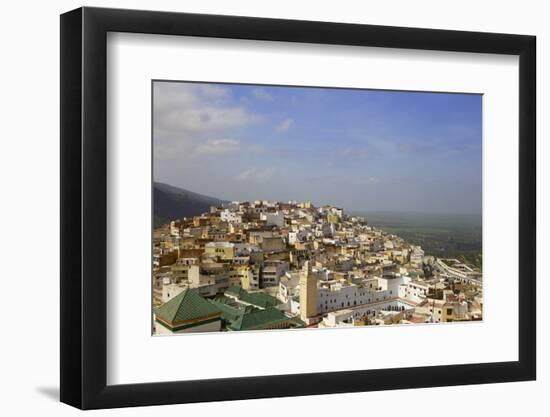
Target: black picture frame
(84, 207)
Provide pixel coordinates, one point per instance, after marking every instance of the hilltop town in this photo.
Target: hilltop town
(271, 265)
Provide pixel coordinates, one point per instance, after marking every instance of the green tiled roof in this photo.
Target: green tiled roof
(220, 298)
(188, 305)
(261, 319)
(229, 312)
(259, 299)
(235, 291)
(231, 309)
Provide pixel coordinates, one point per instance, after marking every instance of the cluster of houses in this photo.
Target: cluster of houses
(270, 265)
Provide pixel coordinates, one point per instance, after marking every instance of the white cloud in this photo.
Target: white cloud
(261, 94)
(367, 180)
(214, 91)
(217, 146)
(203, 118)
(187, 148)
(198, 108)
(361, 152)
(192, 120)
(284, 125)
(256, 175)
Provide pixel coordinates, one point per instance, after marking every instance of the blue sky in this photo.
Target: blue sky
(364, 150)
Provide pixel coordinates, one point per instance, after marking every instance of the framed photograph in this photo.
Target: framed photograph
(259, 208)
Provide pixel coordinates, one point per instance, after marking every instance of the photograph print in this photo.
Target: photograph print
(286, 207)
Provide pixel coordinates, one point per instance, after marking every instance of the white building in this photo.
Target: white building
(169, 291)
(289, 286)
(272, 272)
(340, 318)
(273, 219)
(415, 291)
(417, 256)
(233, 206)
(184, 270)
(174, 229)
(392, 283)
(336, 296)
(297, 236)
(230, 216)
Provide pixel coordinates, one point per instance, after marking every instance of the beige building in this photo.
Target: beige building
(185, 269)
(273, 244)
(223, 250)
(241, 276)
(308, 294)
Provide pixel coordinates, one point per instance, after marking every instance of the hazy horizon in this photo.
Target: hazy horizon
(364, 150)
(357, 212)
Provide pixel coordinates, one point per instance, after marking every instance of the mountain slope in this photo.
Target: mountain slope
(173, 203)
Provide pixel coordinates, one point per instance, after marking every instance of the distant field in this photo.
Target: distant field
(443, 235)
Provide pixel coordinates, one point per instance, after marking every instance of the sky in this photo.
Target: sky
(363, 150)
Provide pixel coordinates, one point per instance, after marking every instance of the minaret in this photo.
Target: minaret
(308, 293)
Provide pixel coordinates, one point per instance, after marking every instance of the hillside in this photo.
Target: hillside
(443, 235)
(172, 203)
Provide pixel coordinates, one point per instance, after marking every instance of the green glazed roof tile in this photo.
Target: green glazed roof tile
(258, 319)
(188, 305)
